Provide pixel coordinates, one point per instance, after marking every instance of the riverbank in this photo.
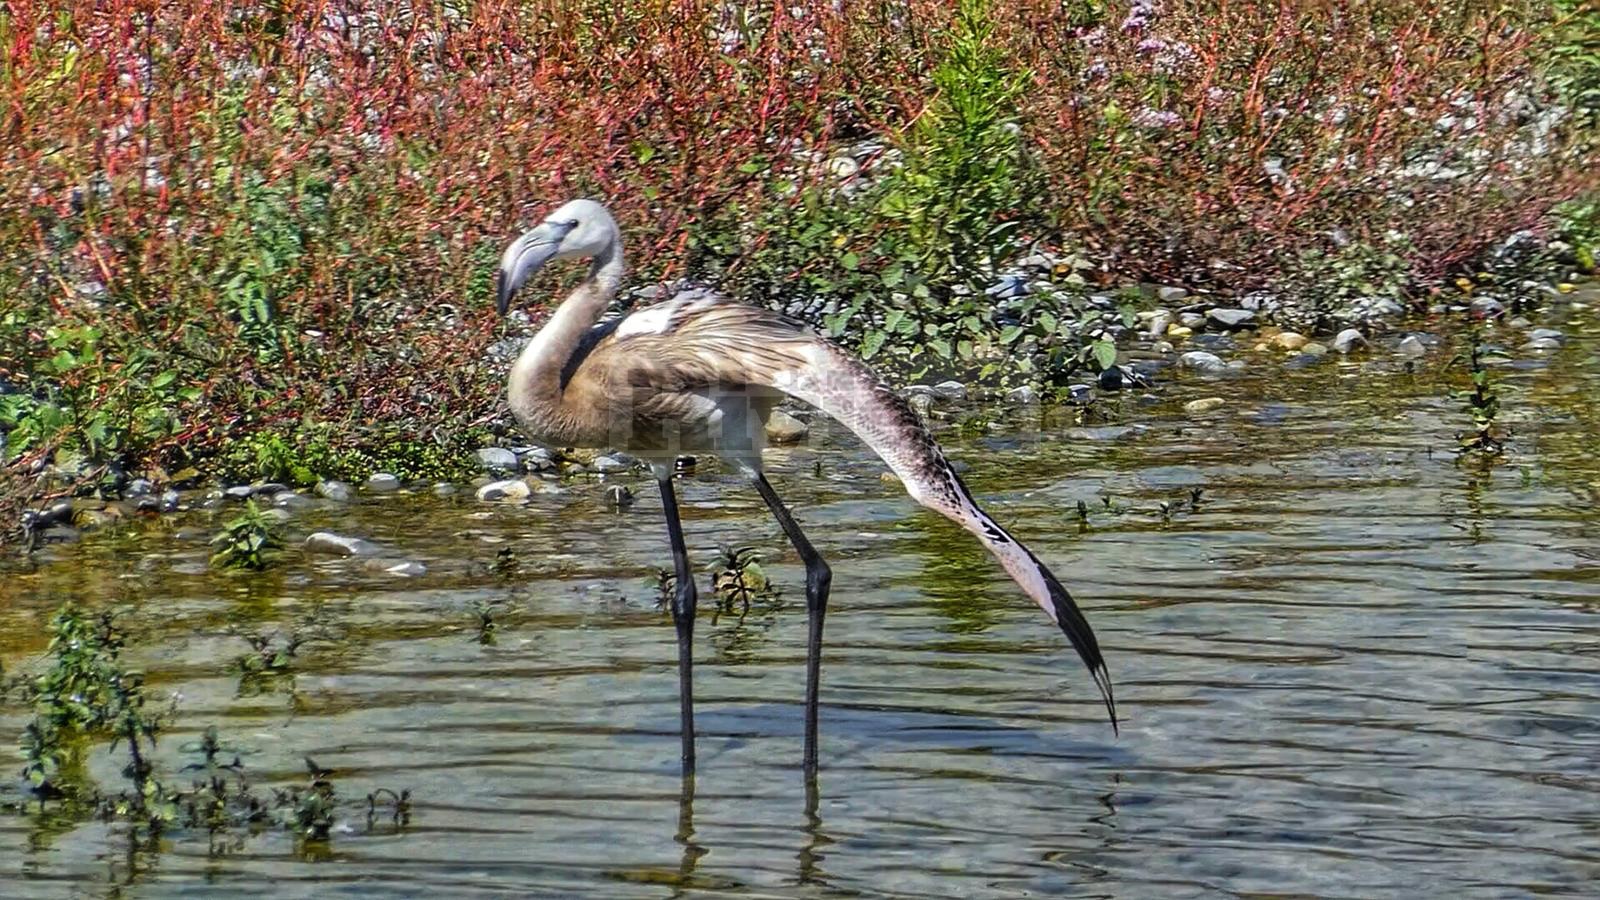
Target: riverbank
(265, 255)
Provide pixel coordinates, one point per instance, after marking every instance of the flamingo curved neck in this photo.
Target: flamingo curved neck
(535, 384)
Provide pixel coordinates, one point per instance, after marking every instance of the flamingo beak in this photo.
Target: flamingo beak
(526, 255)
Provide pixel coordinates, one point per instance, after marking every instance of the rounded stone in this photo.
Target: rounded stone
(1204, 405)
(783, 428)
(1201, 361)
(383, 482)
(512, 490)
(497, 459)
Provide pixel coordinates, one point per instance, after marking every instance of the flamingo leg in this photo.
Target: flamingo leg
(683, 605)
(818, 579)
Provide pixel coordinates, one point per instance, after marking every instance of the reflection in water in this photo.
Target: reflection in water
(1358, 667)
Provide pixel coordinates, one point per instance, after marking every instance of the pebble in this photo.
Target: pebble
(607, 465)
(1348, 340)
(408, 568)
(512, 490)
(950, 390)
(1290, 340)
(337, 491)
(1158, 324)
(1171, 294)
(1079, 393)
(383, 481)
(269, 488)
(1025, 395)
(169, 501)
(783, 428)
(444, 489)
(1231, 319)
(340, 545)
(1542, 344)
(1487, 307)
(842, 167)
(1179, 331)
(1204, 405)
(1546, 334)
(139, 487)
(1411, 346)
(1192, 321)
(292, 500)
(1314, 350)
(497, 459)
(238, 492)
(1202, 361)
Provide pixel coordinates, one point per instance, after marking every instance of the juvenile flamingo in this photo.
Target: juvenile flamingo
(702, 375)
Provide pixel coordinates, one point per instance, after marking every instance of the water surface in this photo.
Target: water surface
(1358, 669)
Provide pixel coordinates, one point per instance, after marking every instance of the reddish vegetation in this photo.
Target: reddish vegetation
(353, 168)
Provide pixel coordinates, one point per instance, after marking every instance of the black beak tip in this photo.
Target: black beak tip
(503, 292)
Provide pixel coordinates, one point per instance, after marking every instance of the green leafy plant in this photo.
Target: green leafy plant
(737, 578)
(247, 541)
(1486, 440)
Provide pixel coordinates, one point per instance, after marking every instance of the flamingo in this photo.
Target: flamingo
(702, 375)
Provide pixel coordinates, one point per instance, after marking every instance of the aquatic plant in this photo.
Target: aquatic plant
(247, 541)
(86, 693)
(737, 578)
(1481, 402)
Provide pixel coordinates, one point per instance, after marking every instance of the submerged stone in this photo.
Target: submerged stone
(340, 545)
(783, 428)
(336, 491)
(512, 490)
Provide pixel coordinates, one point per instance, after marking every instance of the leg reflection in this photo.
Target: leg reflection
(692, 851)
(811, 855)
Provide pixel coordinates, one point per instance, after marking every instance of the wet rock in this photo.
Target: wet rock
(1025, 395)
(1158, 324)
(1486, 308)
(91, 519)
(618, 496)
(340, 545)
(1079, 394)
(1231, 319)
(269, 488)
(608, 465)
(337, 491)
(1204, 405)
(1192, 321)
(783, 428)
(406, 568)
(1546, 334)
(1171, 294)
(444, 489)
(1411, 347)
(950, 390)
(383, 482)
(497, 459)
(57, 513)
(512, 490)
(1201, 361)
(538, 459)
(291, 501)
(238, 492)
(1540, 344)
(1314, 350)
(1290, 340)
(1348, 339)
(1101, 433)
(169, 501)
(138, 487)
(147, 504)
(1110, 379)
(1179, 332)
(1214, 341)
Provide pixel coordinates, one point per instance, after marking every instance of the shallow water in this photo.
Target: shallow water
(1358, 669)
